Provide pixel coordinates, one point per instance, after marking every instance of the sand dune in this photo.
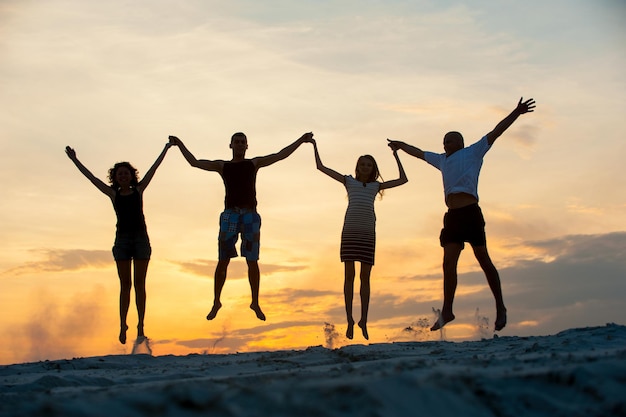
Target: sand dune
(578, 372)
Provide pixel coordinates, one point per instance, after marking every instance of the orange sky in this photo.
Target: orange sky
(113, 81)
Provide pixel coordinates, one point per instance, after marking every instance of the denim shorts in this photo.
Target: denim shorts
(131, 246)
(235, 222)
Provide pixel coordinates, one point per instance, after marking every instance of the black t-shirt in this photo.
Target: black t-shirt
(240, 182)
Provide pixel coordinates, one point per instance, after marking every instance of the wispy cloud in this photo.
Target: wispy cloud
(57, 260)
(290, 294)
(232, 340)
(236, 269)
(574, 249)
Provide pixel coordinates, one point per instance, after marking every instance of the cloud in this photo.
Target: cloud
(57, 260)
(578, 281)
(526, 136)
(287, 295)
(229, 340)
(236, 270)
(577, 249)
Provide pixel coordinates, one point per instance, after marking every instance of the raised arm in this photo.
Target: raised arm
(148, 176)
(411, 150)
(198, 163)
(522, 107)
(330, 172)
(100, 185)
(263, 161)
(402, 179)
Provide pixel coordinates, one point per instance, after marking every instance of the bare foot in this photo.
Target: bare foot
(350, 330)
(442, 321)
(122, 336)
(500, 319)
(257, 310)
(216, 307)
(363, 327)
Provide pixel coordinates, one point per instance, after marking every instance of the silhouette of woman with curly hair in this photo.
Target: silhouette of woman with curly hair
(132, 245)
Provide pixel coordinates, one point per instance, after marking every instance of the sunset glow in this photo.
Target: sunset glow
(113, 80)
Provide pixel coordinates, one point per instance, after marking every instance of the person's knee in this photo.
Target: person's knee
(365, 274)
(253, 266)
(482, 255)
(450, 263)
(140, 285)
(125, 281)
(453, 250)
(221, 268)
(125, 287)
(489, 269)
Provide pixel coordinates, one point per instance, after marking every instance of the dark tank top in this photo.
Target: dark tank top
(129, 211)
(239, 180)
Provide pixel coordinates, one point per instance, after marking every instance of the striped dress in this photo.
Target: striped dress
(358, 237)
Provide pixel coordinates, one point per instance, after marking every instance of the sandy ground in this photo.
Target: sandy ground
(578, 372)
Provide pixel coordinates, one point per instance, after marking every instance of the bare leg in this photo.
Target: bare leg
(366, 270)
(254, 276)
(218, 285)
(493, 279)
(348, 295)
(141, 270)
(451, 253)
(124, 274)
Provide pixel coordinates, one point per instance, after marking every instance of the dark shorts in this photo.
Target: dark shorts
(131, 246)
(235, 222)
(465, 224)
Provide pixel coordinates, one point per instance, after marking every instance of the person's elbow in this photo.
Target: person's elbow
(492, 136)
(419, 155)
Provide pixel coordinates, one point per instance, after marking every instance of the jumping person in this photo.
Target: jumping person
(464, 222)
(240, 215)
(132, 245)
(358, 236)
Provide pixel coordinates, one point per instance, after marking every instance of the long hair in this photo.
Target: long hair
(133, 172)
(374, 175)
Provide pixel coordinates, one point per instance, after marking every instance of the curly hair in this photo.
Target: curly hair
(133, 172)
(374, 175)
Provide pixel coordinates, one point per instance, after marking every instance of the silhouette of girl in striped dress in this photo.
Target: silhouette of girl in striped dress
(358, 237)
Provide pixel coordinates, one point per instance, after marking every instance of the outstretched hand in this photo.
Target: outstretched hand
(71, 153)
(174, 141)
(526, 106)
(393, 144)
(307, 137)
